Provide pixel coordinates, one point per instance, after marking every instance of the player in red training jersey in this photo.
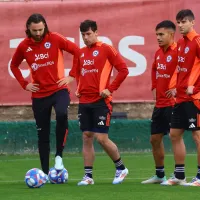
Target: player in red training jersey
(43, 51)
(94, 90)
(186, 112)
(163, 85)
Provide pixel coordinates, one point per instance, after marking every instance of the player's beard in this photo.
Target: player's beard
(37, 38)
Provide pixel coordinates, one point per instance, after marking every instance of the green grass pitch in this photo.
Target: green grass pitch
(141, 166)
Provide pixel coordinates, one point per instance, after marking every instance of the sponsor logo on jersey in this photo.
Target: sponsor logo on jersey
(88, 62)
(162, 75)
(41, 56)
(85, 71)
(181, 59)
(181, 69)
(161, 66)
(35, 66)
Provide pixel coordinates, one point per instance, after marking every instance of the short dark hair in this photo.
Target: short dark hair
(87, 24)
(185, 13)
(166, 24)
(36, 18)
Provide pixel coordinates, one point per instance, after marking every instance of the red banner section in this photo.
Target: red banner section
(128, 25)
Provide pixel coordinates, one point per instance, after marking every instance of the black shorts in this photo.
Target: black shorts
(160, 121)
(95, 117)
(186, 115)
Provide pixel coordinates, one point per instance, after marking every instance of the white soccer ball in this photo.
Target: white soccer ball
(58, 176)
(35, 178)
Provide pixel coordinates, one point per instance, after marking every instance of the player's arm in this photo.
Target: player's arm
(193, 82)
(75, 71)
(16, 61)
(153, 79)
(73, 49)
(66, 45)
(117, 62)
(172, 85)
(194, 89)
(73, 74)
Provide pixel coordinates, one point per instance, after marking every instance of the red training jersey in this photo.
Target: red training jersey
(45, 60)
(164, 74)
(188, 67)
(94, 71)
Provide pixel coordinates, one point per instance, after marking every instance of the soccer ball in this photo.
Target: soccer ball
(35, 178)
(58, 176)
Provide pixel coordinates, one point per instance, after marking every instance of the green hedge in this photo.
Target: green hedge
(129, 135)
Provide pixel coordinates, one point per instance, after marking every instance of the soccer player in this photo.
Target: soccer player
(186, 112)
(42, 50)
(163, 83)
(94, 90)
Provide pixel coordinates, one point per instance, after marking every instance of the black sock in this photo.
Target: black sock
(160, 172)
(88, 171)
(44, 151)
(58, 154)
(119, 164)
(198, 173)
(179, 171)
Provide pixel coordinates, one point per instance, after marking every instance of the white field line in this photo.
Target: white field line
(78, 157)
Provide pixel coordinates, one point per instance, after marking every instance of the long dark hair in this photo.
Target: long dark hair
(36, 18)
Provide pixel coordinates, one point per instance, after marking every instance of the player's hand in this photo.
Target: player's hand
(189, 90)
(77, 94)
(171, 93)
(65, 81)
(154, 94)
(32, 87)
(105, 93)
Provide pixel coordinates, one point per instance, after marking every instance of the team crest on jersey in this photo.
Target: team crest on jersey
(82, 55)
(95, 53)
(179, 49)
(186, 50)
(158, 58)
(47, 45)
(169, 58)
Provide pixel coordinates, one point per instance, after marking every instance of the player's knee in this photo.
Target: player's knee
(102, 139)
(61, 116)
(196, 137)
(155, 140)
(88, 137)
(43, 140)
(175, 137)
(43, 136)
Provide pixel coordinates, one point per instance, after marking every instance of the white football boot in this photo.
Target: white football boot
(194, 182)
(154, 179)
(120, 176)
(86, 181)
(58, 163)
(174, 181)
